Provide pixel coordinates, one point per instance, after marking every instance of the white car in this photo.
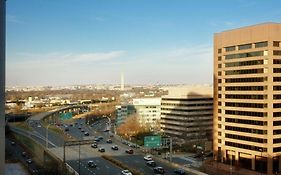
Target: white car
(126, 172)
(147, 158)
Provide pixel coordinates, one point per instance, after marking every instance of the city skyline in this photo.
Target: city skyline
(92, 42)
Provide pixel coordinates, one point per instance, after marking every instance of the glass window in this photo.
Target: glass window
(231, 48)
(261, 44)
(276, 43)
(277, 52)
(219, 50)
(219, 65)
(244, 46)
(219, 58)
(219, 73)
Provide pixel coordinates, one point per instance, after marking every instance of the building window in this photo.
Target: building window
(219, 110)
(244, 63)
(277, 52)
(244, 55)
(219, 133)
(277, 61)
(276, 43)
(219, 103)
(219, 140)
(219, 50)
(219, 58)
(219, 125)
(231, 48)
(219, 73)
(244, 46)
(219, 118)
(261, 44)
(219, 95)
(219, 80)
(244, 71)
(219, 88)
(219, 65)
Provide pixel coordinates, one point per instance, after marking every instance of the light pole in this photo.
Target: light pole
(47, 135)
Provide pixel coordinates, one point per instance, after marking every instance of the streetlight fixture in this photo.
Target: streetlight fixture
(47, 135)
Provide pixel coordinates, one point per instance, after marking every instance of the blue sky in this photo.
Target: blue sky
(66, 42)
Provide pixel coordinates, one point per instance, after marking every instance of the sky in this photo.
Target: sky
(71, 42)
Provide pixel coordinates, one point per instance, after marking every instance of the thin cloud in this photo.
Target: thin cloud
(14, 19)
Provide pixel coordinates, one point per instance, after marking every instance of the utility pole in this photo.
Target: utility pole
(2, 81)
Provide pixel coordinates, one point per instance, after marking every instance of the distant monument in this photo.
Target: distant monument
(122, 82)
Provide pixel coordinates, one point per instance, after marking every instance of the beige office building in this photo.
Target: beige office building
(187, 113)
(247, 97)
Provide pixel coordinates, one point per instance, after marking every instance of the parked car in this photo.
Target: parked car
(101, 149)
(159, 170)
(114, 147)
(82, 130)
(94, 145)
(129, 151)
(13, 143)
(29, 161)
(24, 154)
(66, 129)
(92, 164)
(147, 158)
(151, 163)
(179, 171)
(97, 139)
(126, 172)
(109, 141)
(86, 134)
(100, 137)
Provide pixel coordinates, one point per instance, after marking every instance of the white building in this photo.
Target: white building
(148, 110)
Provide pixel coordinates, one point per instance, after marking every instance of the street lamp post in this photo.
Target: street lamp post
(47, 135)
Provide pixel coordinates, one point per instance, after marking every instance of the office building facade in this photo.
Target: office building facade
(187, 113)
(247, 97)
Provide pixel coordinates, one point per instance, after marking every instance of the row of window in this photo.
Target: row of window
(244, 63)
(238, 96)
(188, 110)
(247, 46)
(244, 146)
(246, 113)
(247, 130)
(245, 55)
(191, 99)
(250, 139)
(244, 71)
(244, 80)
(249, 122)
(276, 123)
(245, 88)
(187, 105)
(184, 115)
(246, 105)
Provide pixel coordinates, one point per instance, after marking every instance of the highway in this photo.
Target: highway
(135, 160)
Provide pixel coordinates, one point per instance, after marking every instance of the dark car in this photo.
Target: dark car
(100, 137)
(82, 130)
(109, 141)
(66, 129)
(97, 139)
(29, 161)
(159, 170)
(24, 154)
(151, 163)
(86, 134)
(101, 149)
(114, 147)
(129, 151)
(94, 145)
(179, 171)
(92, 164)
(79, 127)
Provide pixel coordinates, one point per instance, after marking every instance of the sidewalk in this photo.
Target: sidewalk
(15, 168)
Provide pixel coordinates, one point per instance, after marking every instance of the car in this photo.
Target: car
(92, 164)
(106, 130)
(29, 161)
(109, 141)
(86, 134)
(179, 171)
(100, 137)
(151, 163)
(159, 170)
(82, 130)
(79, 127)
(101, 149)
(114, 147)
(13, 143)
(94, 145)
(24, 154)
(147, 158)
(132, 145)
(66, 129)
(97, 139)
(129, 151)
(126, 172)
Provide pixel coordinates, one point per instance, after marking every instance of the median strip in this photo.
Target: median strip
(121, 165)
